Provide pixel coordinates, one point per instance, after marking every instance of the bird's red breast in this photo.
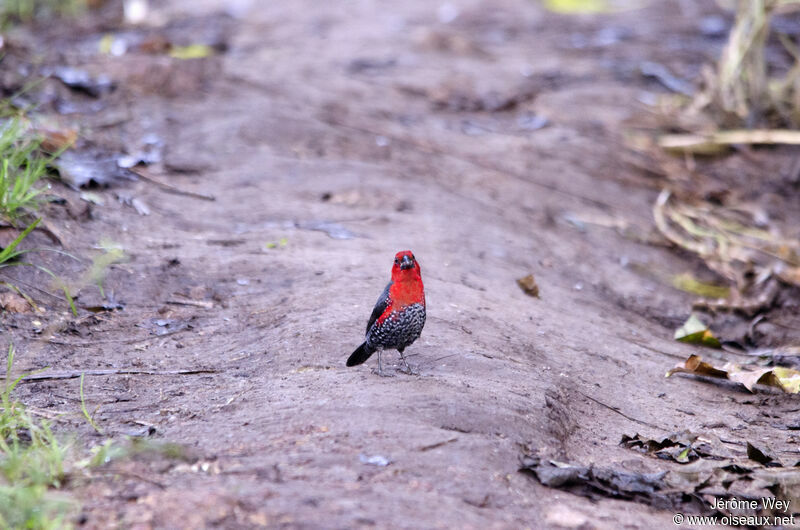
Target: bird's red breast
(406, 288)
(407, 285)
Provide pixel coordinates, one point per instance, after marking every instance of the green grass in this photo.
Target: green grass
(10, 253)
(101, 264)
(31, 466)
(22, 168)
(742, 91)
(89, 417)
(35, 465)
(25, 11)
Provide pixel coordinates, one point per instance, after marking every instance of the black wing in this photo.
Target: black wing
(380, 307)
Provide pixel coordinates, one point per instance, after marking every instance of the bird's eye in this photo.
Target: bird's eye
(397, 262)
(412, 257)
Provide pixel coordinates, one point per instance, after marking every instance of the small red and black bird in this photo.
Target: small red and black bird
(399, 314)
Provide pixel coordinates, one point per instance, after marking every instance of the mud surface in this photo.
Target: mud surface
(330, 137)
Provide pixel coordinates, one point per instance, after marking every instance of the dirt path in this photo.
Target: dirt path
(352, 132)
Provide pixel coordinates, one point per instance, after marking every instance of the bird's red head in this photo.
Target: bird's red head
(406, 280)
(405, 261)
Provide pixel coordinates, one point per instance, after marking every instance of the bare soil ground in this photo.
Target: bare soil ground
(351, 131)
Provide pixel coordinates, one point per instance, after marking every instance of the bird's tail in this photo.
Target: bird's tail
(361, 354)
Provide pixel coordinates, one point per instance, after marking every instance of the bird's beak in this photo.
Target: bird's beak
(406, 263)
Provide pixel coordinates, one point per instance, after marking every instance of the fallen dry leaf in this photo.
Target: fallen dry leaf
(678, 488)
(14, 302)
(55, 140)
(694, 331)
(192, 51)
(737, 242)
(528, 285)
(689, 284)
(682, 447)
(790, 275)
(761, 456)
(155, 44)
(579, 7)
(786, 379)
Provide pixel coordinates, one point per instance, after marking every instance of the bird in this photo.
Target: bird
(399, 314)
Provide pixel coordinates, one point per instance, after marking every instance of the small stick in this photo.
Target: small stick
(121, 371)
(112, 341)
(615, 409)
(646, 347)
(196, 303)
(133, 475)
(439, 359)
(144, 174)
(437, 444)
(753, 136)
(50, 415)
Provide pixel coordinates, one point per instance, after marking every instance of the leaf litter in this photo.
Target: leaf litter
(606, 482)
(754, 261)
(709, 472)
(529, 286)
(81, 80)
(757, 269)
(86, 168)
(785, 379)
(681, 447)
(694, 331)
(730, 243)
(728, 202)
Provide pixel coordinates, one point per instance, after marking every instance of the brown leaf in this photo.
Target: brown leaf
(528, 284)
(694, 331)
(14, 302)
(749, 379)
(781, 377)
(54, 140)
(682, 447)
(156, 44)
(695, 365)
(754, 453)
(790, 275)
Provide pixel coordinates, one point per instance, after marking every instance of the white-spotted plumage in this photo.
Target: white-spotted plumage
(398, 330)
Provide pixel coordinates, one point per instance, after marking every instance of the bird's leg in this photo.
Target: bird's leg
(406, 367)
(380, 365)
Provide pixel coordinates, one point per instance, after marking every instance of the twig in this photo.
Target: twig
(50, 415)
(30, 286)
(128, 473)
(121, 371)
(118, 341)
(95, 343)
(131, 474)
(236, 396)
(646, 347)
(196, 303)
(437, 444)
(141, 172)
(701, 142)
(438, 359)
(615, 409)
